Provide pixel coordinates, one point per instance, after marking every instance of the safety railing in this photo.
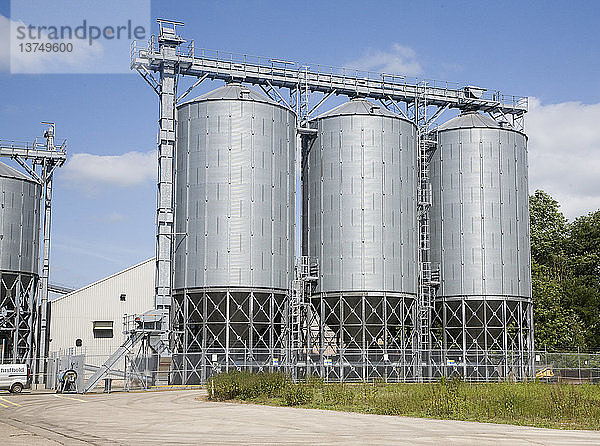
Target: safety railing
(35, 145)
(319, 74)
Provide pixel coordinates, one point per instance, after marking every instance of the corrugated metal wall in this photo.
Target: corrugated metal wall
(235, 192)
(480, 213)
(73, 314)
(360, 192)
(19, 224)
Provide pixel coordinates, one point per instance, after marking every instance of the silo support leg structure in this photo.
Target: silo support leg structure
(375, 336)
(17, 293)
(228, 329)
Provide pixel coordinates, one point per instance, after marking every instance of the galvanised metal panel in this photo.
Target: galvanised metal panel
(235, 188)
(360, 197)
(480, 214)
(20, 200)
(73, 314)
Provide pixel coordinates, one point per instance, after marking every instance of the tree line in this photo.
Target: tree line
(565, 276)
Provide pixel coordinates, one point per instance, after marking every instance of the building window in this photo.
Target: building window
(103, 329)
(78, 342)
(123, 297)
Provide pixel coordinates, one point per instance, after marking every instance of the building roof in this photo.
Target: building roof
(104, 279)
(470, 120)
(358, 106)
(8, 172)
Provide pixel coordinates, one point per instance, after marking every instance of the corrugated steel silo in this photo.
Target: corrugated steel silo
(359, 200)
(480, 240)
(19, 256)
(234, 219)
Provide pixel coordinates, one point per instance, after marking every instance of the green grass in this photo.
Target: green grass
(563, 406)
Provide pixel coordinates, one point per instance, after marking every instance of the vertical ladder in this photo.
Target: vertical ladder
(424, 298)
(300, 96)
(299, 320)
(296, 319)
(425, 306)
(305, 96)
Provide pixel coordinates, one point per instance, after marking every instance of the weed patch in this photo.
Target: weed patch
(540, 404)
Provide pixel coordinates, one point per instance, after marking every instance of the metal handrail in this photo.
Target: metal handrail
(336, 76)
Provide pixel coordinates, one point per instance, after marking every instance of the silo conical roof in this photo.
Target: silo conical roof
(8, 172)
(358, 106)
(233, 91)
(470, 120)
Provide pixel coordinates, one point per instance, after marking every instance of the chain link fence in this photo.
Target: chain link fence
(139, 371)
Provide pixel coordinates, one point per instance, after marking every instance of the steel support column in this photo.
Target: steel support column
(42, 348)
(164, 212)
(204, 358)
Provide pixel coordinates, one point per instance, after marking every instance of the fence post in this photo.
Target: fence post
(579, 364)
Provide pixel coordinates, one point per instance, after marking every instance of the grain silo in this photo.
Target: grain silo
(480, 242)
(19, 256)
(359, 195)
(234, 223)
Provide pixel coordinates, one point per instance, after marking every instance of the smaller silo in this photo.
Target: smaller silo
(480, 242)
(20, 200)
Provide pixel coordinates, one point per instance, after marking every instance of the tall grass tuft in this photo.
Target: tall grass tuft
(246, 385)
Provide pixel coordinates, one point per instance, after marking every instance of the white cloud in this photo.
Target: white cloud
(398, 59)
(13, 59)
(564, 153)
(114, 218)
(128, 169)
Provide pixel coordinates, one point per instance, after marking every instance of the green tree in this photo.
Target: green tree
(557, 327)
(565, 276)
(548, 229)
(583, 247)
(581, 289)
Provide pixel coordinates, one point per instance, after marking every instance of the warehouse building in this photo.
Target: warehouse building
(90, 320)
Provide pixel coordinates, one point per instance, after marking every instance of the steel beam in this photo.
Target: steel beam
(262, 71)
(189, 90)
(38, 155)
(45, 270)
(54, 288)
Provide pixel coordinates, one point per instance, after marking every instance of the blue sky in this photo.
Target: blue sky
(104, 221)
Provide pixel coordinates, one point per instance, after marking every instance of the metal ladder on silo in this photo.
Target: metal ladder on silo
(296, 303)
(424, 306)
(298, 307)
(300, 323)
